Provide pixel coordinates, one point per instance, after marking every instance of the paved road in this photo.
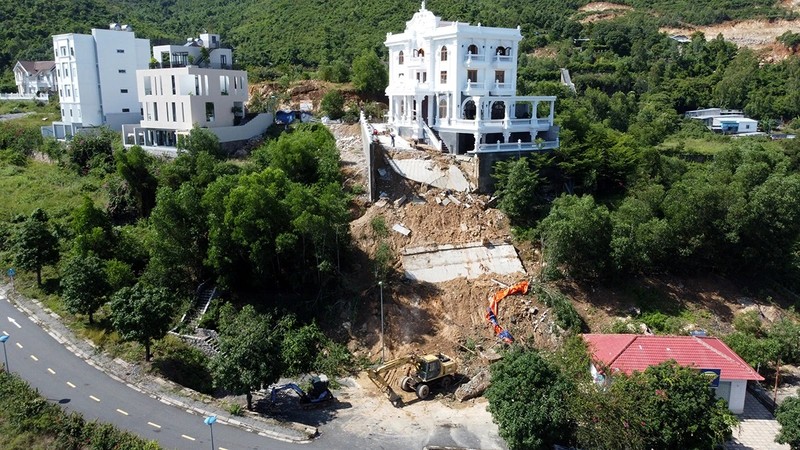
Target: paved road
(63, 378)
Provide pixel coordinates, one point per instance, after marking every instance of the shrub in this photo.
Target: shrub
(185, 365)
(332, 104)
(566, 316)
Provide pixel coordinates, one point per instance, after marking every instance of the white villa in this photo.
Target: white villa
(97, 79)
(35, 77)
(192, 84)
(454, 85)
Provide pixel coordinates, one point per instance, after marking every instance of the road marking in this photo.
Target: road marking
(188, 437)
(34, 358)
(52, 372)
(94, 398)
(14, 322)
(154, 424)
(19, 345)
(70, 385)
(222, 448)
(122, 412)
(5, 332)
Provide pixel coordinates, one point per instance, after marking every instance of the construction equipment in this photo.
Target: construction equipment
(319, 392)
(428, 369)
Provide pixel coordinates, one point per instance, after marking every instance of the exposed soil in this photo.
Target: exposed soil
(755, 34)
(597, 11)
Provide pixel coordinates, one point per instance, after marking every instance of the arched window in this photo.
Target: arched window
(472, 49)
(502, 51)
(443, 54)
(498, 110)
(421, 53)
(443, 108)
(469, 110)
(400, 58)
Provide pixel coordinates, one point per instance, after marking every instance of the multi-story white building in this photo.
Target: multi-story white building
(460, 80)
(192, 84)
(35, 77)
(97, 79)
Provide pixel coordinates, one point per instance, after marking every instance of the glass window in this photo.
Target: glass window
(126, 110)
(120, 50)
(472, 76)
(443, 54)
(500, 76)
(472, 49)
(443, 77)
(122, 71)
(400, 58)
(209, 111)
(123, 91)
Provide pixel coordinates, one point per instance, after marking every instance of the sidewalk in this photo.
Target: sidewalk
(134, 377)
(757, 429)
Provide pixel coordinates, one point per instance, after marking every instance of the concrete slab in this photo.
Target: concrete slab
(438, 263)
(427, 172)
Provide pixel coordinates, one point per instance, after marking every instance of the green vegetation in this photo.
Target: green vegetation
(540, 399)
(28, 421)
(788, 416)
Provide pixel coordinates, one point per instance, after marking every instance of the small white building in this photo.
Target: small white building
(35, 77)
(725, 121)
(97, 79)
(192, 84)
(454, 85)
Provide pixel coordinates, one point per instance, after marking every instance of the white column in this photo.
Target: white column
(552, 111)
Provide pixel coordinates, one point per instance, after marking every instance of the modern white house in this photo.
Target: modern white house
(725, 121)
(35, 77)
(192, 85)
(96, 77)
(454, 85)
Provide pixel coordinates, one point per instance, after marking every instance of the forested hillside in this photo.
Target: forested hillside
(310, 32)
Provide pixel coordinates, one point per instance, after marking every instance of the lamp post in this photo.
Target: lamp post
(210, 422)
(383, 344)
(3, 339)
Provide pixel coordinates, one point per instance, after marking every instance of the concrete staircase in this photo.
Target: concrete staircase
(204, 339)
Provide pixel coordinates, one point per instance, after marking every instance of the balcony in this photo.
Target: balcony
(499, 88)
(415, 61)
(502, 60)
(475, 60)
(516, 147)
(475, 88)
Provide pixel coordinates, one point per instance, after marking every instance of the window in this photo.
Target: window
(209, 111)
(422, 77)
(472, 49)
(400, 58)
(174, 87)
(174, 112)
(120, 50)
(63, 50)
(443, 77)
(148, 86)
(122, 71)
(123, 91)
(126, 110)
(501, 51)
(72, 51)
(223, 61)
(70, 112)
(421, 53)
(155, 111)
(443, 108)
(472, 76)
(500, 76)
(443, 54)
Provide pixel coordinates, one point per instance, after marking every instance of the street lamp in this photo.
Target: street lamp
(383, 344)
(3, 339)
(210, 422)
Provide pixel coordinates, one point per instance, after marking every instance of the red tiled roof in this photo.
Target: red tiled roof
(632, 352)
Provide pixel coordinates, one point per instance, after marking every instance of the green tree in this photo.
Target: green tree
(35, 245)
(519, 192)
(788, 415)
(133, 165)
(528, 399)
(201, 140)
(249, 352)
(92, 228)
(142, 313)
(369, 74)
(332, 104)
(84, 285)
(576, 234)
(93, 150)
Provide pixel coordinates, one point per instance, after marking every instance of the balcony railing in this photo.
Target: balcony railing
(474, 57)
(516, 147)
(503, 58)
(475, 86)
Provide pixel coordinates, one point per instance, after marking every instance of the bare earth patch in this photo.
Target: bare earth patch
(597, 11)
(603, 6)
(755, 34)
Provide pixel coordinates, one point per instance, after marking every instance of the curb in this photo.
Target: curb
(308, 432)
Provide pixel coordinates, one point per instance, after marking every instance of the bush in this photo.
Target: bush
(332, 104)
(565, 314)
(185, 365)
(748, 322)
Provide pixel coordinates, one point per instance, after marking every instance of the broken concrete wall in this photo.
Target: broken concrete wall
(371, 152)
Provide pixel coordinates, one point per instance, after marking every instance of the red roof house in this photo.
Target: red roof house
(631, 352)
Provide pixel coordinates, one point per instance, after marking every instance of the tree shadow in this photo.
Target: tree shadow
(288, 407)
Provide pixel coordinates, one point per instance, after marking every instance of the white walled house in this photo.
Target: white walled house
(176, 95)
(454, 85)
(35, 77)
(97, 79)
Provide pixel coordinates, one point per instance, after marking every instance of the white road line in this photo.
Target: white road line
(222, 448)
(154, 424)
(94, 398)
(5, 332)
(188, 437)
(52, 372)
(34, 358)
(19, 345)
(14, 322)
(122, 412)
(70, 385)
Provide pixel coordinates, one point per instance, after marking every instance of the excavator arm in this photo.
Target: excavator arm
(378, 376)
